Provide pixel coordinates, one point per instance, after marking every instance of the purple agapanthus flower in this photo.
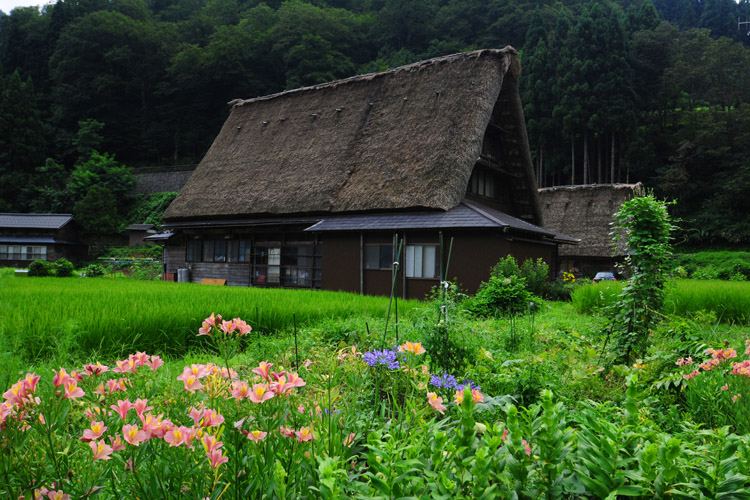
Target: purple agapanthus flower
(389, 358)
(447, 381)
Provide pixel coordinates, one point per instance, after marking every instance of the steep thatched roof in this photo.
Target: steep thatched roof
(586, 212)
(404, 139)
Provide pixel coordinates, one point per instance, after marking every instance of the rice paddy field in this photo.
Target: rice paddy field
(728, 301)
(40, 316)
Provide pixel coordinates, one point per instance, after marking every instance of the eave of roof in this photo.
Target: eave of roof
(38, 240)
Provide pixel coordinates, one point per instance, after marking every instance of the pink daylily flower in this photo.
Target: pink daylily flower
(96, 369)
(154, 362)
(116, 443)
(240, 390)
(122, 408)
(228, 327)
(241, 327)
(72, 391)
(125, 366)
(260, 393)
(208, 323)
(192, 384)
(211, 418)
(256, 435)
(436, 402)
(141, 405)
(286, 431)
(60, 377)
(216, 458)
(133, 435)
(177, 435)
(263, 370)
(102, 450)
(295, 380)
(304, 434)
(210, 443)
(95, 432)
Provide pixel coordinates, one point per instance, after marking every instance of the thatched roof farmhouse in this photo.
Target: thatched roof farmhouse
(587, 212)
(311, 187)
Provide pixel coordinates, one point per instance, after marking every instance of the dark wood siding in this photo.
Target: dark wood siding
(174, 258)
(341, 263)
(236, 274)
(474, 254)
(523, 250)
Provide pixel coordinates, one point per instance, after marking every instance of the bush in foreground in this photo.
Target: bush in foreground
(40, 268)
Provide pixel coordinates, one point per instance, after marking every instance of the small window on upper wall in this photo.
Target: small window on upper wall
(422, 261)
(378, 256)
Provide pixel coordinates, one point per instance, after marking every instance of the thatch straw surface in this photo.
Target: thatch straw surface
(407, 138)
(586, 212)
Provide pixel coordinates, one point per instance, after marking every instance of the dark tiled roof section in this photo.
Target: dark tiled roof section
(465, 215)
(35, 221)
(139, 227)
(459, 217)
(503, 219)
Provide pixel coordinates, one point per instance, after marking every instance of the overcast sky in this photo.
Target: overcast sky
(8, 5)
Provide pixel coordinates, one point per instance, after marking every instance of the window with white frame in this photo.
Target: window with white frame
(422, 261)
(23, 252)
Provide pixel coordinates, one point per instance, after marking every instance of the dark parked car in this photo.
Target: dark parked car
(604, 276)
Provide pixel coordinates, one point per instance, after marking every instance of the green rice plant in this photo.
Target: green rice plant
(596, 297)
(114, 317)
(729, 300)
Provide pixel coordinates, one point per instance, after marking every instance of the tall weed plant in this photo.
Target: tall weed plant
(647, 226)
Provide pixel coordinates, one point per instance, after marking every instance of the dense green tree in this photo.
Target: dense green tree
(46, 193)
(97, 214)
(719, 16)
(22, 145)
(538, 92)
(107, 66)
(104, 170)
(407, 24)
(598, 95)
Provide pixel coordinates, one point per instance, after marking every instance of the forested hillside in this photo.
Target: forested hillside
(613, 91)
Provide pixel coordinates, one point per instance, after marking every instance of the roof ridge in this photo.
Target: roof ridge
(378, 74)
(481, 212)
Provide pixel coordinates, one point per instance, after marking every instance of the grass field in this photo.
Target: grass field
(41, 316)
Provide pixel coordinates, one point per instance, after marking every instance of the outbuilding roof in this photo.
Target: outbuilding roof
(34, 221)
(403, 139)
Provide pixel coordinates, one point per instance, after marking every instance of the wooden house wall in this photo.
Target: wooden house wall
(341, 261)
(174, 257)
(473, 256)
